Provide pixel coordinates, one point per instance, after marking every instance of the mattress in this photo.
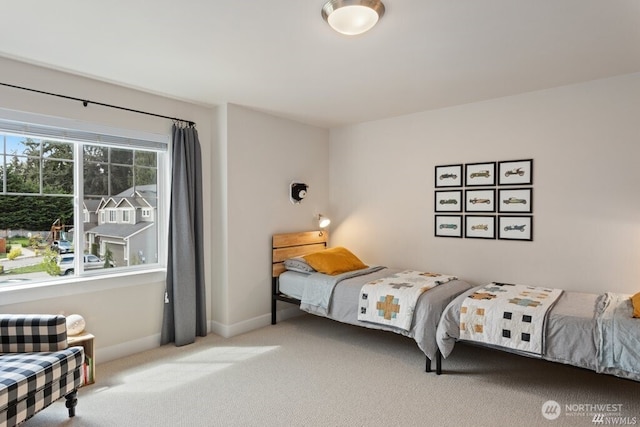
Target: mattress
(292, 283)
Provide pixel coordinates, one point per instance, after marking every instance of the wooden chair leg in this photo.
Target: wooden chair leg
(72, 401)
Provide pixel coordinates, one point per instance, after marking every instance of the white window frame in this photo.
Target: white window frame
(72, 130)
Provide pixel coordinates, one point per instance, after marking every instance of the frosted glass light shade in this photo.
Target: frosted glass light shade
(352, 20)
(323, 221)
(352, 17)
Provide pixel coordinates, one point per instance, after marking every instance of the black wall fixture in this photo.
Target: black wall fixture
(298, 191)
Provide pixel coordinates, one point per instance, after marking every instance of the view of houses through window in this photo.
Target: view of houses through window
(43, 235)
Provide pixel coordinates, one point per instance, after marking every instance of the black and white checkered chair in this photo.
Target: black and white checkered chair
(36, 366)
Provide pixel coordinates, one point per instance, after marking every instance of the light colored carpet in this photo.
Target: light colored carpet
(310, 371)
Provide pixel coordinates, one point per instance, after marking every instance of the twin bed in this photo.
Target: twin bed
(595, 332)
(592, 331)
(289, 286)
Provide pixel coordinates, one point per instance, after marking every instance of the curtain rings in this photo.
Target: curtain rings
(183, 124)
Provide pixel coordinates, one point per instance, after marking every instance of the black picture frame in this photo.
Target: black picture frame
(515, 227)
(448, 176)
(448, 226)
(480, 200)
(480, 174)
(515, 200)
(448, 201)
(480, 226)
(515, 172)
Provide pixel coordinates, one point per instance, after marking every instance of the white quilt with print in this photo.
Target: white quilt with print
(507, 315)
(392, 300)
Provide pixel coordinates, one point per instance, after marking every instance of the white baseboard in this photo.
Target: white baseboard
(227, 331)
(106, 354)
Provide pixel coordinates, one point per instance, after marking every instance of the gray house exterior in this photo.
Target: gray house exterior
(125, 224)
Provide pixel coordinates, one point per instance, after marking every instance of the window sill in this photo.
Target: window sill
(79, 285)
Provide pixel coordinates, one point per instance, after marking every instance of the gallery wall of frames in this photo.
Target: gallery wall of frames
(486, 200)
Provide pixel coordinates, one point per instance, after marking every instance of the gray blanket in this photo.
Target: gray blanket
(343, 307)
(317, 293)
(577, 333)
(619, 335)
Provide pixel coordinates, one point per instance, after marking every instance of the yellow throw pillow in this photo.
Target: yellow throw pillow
(334, 261)
(635, 301)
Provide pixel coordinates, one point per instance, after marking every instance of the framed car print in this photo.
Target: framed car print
(515, 227)
(479, 227)
(448, 201)
(480, 200)
(515, 200)
(480, 174)
(515, 172)
(449, 176)
(448, 226)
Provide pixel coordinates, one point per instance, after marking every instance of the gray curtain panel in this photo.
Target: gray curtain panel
(185, 315)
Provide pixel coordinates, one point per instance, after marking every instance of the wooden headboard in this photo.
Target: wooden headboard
(290, 245)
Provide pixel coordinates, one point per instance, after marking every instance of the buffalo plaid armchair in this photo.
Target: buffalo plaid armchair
(36, 366)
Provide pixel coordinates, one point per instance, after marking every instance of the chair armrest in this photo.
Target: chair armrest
(26, 333)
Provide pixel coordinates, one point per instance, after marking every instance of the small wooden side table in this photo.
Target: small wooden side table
(85, 340)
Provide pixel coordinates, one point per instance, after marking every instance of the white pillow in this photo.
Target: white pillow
(298, 264)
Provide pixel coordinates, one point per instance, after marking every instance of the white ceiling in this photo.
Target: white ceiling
(280, 56)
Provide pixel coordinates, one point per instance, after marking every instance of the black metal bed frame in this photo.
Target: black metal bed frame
(276, 295)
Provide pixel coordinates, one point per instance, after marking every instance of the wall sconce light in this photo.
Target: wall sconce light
(297, 192)
(323, 222)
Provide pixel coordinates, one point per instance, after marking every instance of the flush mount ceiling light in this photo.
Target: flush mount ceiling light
(352, 17)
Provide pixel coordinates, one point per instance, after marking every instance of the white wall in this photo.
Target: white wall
(376, 181)
(124, 313)
(249, 160)
(263, 155)
(584, 140)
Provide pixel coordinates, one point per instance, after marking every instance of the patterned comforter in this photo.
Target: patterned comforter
(392, 300)
(506, 315)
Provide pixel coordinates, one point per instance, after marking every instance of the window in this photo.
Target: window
(117, 184)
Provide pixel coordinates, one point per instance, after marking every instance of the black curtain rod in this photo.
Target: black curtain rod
(86, 102)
